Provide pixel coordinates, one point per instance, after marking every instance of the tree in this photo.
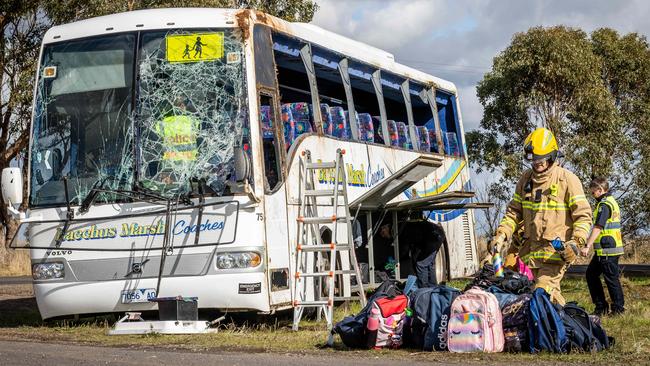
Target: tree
(22, 26)
(592, 92)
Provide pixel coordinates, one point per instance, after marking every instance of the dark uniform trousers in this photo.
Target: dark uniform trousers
(608, 267)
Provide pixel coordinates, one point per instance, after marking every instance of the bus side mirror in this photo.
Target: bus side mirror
(12, 187)
(242, 165)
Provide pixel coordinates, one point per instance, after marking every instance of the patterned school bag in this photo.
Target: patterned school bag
(475, 324)
(386, 322)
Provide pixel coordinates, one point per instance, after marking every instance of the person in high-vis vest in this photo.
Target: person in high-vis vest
(178, 132)
(608, 247)
(551, 205)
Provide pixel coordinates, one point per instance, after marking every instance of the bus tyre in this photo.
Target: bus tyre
(442, 264)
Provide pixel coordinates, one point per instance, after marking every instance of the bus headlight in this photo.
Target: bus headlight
(238, 260)
(48, 271)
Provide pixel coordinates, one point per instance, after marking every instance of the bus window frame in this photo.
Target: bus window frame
(278, 129)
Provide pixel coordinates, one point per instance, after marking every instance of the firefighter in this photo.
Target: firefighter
(608, 247)
(551, 205)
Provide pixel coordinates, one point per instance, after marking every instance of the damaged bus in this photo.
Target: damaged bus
(164, 159)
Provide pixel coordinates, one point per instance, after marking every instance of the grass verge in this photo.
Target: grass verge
(273, 334)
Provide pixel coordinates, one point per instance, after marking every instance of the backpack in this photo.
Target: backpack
(503, 297)
(511, 282)
(386, 322)
(475, 324)
(515, 324)
(546, 331)
(352, 329)
(583, 333)
(431, 308)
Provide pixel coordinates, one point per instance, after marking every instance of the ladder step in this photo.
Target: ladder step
(321, 165)
(323, 219)
(324, 274)
(321, 192)
(323, 247)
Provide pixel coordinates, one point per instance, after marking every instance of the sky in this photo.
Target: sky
(456, 40)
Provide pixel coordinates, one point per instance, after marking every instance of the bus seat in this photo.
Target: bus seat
(433, 139)
(267, 127)
(403, 136)
(423, 138)
(450, 140)
(339, 123)
(327, 118)
(366, 130)
(289, 125)
(301, 117)
(392, 131)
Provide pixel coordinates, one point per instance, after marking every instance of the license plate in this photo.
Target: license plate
(139, 295)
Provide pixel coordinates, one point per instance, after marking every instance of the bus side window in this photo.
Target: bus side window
(448, 123)
(272, 163)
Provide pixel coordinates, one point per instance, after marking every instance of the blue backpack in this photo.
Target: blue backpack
(545, 326)
(431, 307)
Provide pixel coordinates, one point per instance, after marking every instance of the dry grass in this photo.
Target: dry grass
(15, 263)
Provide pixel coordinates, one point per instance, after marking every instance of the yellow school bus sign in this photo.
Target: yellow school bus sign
(194, 47)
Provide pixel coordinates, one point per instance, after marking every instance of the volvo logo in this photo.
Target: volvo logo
(136, 267)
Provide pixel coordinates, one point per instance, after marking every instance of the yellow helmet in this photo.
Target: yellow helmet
(541, 144)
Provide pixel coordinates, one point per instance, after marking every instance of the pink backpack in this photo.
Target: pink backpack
(386, 322)
(524, 270)
(475, 323)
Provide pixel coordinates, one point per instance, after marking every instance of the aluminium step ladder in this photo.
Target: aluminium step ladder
(312, 268)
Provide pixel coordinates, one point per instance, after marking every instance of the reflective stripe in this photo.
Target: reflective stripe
(546, 206)
(612, 225)
(516, 198)
(509, 222)
(611, 252)
(548, 256)
(577, 198)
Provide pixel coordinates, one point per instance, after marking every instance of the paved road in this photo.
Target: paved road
(38, 354)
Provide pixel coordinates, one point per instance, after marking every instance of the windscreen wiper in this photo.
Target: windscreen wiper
(92, 194)
(68, 217)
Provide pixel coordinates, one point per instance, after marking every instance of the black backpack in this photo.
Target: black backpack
(352, 329)
(512, 282)
(584, 334)
(515, 324)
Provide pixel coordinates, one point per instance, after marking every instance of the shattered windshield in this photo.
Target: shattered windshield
(191, 105)
(82, 127)
(178, 123)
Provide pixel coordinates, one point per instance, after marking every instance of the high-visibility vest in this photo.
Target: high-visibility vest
(612, 228)
(179, 137)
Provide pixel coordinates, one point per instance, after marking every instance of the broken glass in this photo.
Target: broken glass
(82, 123)
(191, 108)
(190, 114)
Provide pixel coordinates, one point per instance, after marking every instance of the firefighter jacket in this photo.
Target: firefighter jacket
(549, 205)
(609, 242)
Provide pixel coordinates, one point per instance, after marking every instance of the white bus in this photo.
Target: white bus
(164, 158)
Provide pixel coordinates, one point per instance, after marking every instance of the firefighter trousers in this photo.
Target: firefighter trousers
(548, 276)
